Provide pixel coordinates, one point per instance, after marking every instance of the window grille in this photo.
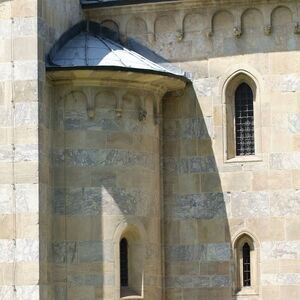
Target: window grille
(124, 262)
(246, 265)
(244, 120)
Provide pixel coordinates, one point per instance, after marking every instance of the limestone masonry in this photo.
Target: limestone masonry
(149, 150)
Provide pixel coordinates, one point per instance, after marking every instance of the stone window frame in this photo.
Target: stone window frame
(238, 242)
(230, 84)
(134, 233)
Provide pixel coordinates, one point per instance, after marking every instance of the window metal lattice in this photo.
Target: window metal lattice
(244, 120)
(246, 265)
(124, 262)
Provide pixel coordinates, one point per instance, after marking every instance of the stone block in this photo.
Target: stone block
(27, 273)
(249, 204)
(26, 114)
(218, 252)
(281, 279)
(6, 191)
(26, 70)
(280, 250)
(27, 198)
(220, 280)
(186, 252)
(187, 281)
(90, 251)
(27, 226)
(26, 153)
(26, 172)
(205, 164)
(91, 279)
(199, 206)
(285, 203)
(292, 225)
(27, 250)
(294, 123)
(25, 27)
(7, 249)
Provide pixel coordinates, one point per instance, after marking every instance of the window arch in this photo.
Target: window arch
(246, 265)
(242, 126)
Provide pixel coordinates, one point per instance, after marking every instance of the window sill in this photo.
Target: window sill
(244, 159)
(247, 291)
(129, 294)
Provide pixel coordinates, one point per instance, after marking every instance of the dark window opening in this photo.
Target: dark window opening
(246, 265)
(124, 262)
(244, 120)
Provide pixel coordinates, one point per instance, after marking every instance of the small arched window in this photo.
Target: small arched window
(124, 262)
(242, 126)
(244, 120)
(246, 265)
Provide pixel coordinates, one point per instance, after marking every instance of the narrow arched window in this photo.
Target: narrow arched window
(244, 120)
(124, 262)
(246, 265)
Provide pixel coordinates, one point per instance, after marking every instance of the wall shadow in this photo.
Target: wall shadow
(198, 253)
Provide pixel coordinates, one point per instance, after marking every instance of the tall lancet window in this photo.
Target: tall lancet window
(246, 265)
(244, 120)
(124, 262)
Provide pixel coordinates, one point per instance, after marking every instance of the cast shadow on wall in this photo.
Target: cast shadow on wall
(198, 252)
(106, 174)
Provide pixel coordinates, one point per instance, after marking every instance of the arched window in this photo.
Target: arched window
(242, 126)
(124, 262)
(246, 265)
(130, 262)
(244, 120)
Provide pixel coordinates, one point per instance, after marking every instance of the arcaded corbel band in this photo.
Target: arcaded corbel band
(297, 28)
(90, 105)
(180, 26)
(267, 29)
(237, 28)
(157, 115)
(119, 106)
(150, 22)
(143, 110)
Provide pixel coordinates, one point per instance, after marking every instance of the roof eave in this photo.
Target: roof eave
(86, 4)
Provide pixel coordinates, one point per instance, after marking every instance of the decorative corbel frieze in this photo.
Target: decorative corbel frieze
(142, 110)
(179, 35)
(209, 33)
(267, 29)
(237, 32)
(119, 106)
(297, 28)
(151, 38)
(90, 105)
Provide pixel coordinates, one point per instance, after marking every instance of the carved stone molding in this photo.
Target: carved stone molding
(297, 28)
(237, 32)
(267, 29)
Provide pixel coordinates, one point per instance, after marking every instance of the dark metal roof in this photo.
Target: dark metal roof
(107, 3)
(91, 46)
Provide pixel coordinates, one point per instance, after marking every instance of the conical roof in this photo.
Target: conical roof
(89, 45)
(88, 49)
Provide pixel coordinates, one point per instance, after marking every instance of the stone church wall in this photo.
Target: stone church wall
(19, 181)
(210, 200)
